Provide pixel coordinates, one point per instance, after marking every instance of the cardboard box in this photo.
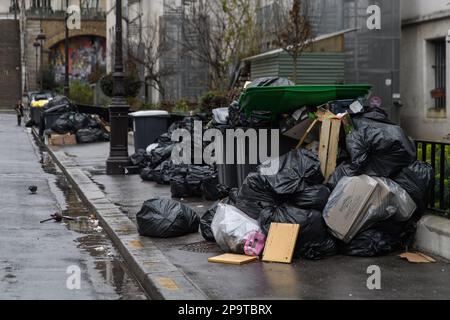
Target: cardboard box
(63, 140)
(346, 214)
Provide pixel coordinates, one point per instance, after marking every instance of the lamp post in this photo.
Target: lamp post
(41, 38)
(36, 45)
(118, 157)
(66, 53)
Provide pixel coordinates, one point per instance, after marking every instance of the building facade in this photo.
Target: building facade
(87, 46)
(160, 25)
(425, 51)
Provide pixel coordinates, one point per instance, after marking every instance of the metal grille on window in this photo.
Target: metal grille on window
(440, 74)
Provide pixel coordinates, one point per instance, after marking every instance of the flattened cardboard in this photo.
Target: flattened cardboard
(280, 243)
(417, 257)
(348, 211)
(63, 140)
(233, 259)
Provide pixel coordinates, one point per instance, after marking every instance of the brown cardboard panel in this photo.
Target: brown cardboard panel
(281, 241)
(63, 139)
(235, 259)
(417, 257)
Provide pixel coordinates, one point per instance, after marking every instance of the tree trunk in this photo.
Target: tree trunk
(295, 75)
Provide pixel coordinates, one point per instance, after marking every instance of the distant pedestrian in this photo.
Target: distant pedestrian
(19, 112)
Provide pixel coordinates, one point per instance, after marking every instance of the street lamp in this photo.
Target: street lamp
(66, 52)
(36, 45)
(41, 38)
(118, 111)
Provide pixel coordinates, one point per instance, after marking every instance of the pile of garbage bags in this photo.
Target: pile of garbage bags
(85, 127)
(369, 207)
(185, 180)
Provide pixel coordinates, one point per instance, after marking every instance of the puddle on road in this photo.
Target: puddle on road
(109, 267)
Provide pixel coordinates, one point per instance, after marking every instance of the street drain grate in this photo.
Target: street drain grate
(202, 247)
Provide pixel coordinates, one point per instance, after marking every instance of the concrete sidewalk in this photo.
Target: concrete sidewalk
(178, 268)
(35, 257)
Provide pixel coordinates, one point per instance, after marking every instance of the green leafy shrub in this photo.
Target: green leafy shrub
(132, 85)
(212, 100)
(81, 93)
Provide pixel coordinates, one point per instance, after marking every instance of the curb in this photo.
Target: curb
(433, 236)
(157, 275)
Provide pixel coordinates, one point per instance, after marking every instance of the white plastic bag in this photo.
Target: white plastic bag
(232, 229)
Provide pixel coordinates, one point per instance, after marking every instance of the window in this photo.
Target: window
(439, 67)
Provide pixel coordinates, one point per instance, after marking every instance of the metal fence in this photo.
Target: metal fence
(438, 155)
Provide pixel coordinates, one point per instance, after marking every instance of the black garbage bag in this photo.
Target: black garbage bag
(344, 170)
(271, 82)
(30, 124)
(72, 122)
(147, 174)
(207, 218)
(314, 241)
(236, 116)
(315, 197)
(383, 238)
(163, 173)
(293, 173)
(378, 148)
(371, 243)
(212, 190)
(63, 124)
(160, 154)
(165, 218)
(186, 180)
(59, 104)
(91, 135)
(140, 158)
(416, 180)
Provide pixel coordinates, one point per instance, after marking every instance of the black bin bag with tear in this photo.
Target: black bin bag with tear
(166, 218)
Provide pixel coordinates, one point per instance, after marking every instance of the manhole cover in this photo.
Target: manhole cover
(202, 247)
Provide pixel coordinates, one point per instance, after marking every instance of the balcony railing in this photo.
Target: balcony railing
(48, 13)
(437, 153)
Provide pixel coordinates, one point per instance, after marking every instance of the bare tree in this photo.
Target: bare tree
(219, 33)
(146, 51)
(295, 34)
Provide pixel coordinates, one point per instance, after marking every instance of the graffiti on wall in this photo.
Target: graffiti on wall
(87, 54)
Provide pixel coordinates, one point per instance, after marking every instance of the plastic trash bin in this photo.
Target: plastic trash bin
(228, 173)
(148, 126)
(243, 154)
(35, 114)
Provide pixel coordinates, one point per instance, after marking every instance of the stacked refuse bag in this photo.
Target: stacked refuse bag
(370, 206)
(185, 180)
(379, 155)
(86, 128)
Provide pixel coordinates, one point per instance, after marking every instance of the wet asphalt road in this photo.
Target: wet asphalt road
(34, 257)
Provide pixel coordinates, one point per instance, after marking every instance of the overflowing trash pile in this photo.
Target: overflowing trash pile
(369, 205)
(86, 128)
(185, 180)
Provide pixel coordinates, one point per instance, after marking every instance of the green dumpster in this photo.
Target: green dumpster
(287, 99)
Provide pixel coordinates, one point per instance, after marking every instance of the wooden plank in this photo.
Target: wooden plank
(233, 259)
(324, 144)
(281, 242)
(333, 148)
(302, 140)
